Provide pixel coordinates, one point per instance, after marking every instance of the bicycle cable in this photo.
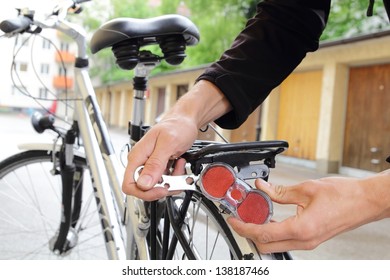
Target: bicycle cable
(23, 89)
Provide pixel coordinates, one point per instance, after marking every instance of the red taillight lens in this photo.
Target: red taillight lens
(218, 182)
(256, 208)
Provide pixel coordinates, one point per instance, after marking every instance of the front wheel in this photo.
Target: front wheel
(30, 212)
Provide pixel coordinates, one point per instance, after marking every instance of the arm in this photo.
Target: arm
(325, 208)
(270, 47)
(171, 137)
(263, 54)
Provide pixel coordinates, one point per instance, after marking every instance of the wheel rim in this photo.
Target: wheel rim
(30, 199)
(205, 231)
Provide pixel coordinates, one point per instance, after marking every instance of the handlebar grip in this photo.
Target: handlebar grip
(16, 25)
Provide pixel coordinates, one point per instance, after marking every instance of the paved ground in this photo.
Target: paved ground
(368, 242)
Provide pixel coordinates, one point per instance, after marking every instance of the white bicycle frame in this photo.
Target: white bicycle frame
(121, 216)
(104, 166)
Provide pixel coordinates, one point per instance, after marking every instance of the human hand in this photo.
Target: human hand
(324, 208)
(170, 138)
(163, 143)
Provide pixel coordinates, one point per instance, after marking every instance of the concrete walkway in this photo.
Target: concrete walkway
(367, 242)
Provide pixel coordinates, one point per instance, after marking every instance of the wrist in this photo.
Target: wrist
(377, 189)
(203, 104)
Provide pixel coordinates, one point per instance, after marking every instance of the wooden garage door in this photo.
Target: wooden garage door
(299, 112)
(250, 130)
(367, 132)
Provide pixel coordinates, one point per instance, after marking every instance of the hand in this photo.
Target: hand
(170, 138)
(325, 208)
(163, 143)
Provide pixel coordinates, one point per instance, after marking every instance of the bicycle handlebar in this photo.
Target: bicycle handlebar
(26, 19)
(17, 25)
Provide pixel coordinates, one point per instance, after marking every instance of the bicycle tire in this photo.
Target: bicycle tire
(200, 234)
(186, 242)
(209, 228)
(30, 199)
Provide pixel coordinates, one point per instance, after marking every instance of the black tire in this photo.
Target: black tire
(30, 199)
(201, 233)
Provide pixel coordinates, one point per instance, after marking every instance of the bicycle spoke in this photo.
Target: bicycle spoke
(203, 230)
(31, 209)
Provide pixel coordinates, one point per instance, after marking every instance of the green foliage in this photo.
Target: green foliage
(219, 22)
(131, 8)
(348, 18)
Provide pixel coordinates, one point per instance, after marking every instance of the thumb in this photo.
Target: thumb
(279, 193)
(152, 171)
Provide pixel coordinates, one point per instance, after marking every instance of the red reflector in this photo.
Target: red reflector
(254, 209)
(216, 181)
(236, 195)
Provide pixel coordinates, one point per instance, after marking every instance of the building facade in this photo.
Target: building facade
(35, 70)
(333, 109)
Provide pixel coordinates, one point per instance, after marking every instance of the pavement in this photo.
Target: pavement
(371, 241)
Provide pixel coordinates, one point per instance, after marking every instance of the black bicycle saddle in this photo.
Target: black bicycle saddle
(144, 31)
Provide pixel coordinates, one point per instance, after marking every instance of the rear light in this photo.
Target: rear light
(219, 183)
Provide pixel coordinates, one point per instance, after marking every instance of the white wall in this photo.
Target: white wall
(31, 54)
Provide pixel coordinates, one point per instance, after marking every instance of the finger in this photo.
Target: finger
(285, 246)
(137, 157)
(128, 183)
(153, 166)
(282, 194)
(263, 240)
(152, 171)
(156, 164)
(266, 233)
(150, 195)
(179, 168)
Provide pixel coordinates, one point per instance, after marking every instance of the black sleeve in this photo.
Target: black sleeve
(272, 44)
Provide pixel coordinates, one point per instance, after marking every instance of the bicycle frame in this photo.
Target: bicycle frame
(104, 166)
(124, 219)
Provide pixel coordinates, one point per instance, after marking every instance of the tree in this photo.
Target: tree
(218, 25)
(348, 18)
(219, 22)
(104, 62)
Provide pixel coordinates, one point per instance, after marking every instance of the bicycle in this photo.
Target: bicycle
(83, 206)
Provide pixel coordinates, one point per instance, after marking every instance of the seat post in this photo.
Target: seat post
(137, 126)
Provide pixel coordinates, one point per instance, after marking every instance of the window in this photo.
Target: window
(45, 68)
(22, 66)
(18, 90)
(21, 40)
(61, 71)
(46, 44)
(43, 93)
(64, 46)
(160, 101)
(181, 90)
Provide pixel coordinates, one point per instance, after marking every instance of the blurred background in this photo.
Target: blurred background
(332, 109)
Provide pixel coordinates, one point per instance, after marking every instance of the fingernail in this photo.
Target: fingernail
(145, 180)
